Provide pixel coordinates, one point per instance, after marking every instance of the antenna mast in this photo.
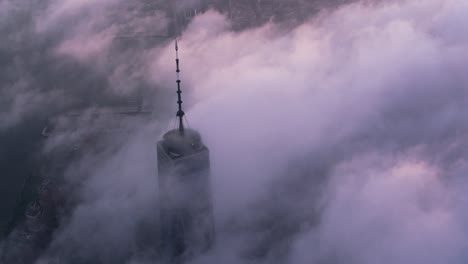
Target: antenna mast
(180, 113)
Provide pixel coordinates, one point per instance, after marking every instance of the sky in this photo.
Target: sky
(334, 138)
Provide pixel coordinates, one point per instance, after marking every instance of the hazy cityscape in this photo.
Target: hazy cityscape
(233, 131)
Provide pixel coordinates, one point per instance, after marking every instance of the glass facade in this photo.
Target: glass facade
(187, 226)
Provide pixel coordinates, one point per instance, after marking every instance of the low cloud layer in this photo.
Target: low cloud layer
(369, 102)
(340, 140)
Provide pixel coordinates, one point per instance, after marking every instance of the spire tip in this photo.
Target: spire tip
(180, 112)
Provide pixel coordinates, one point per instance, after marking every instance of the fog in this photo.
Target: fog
(339, 138)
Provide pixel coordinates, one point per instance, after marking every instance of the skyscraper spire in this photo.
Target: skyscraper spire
(186, 209)
(180, 113)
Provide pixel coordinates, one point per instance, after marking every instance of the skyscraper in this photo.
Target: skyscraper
(187, 224)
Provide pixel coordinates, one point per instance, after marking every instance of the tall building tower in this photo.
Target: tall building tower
(187, 224)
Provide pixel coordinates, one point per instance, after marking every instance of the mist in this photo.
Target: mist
(339, 137)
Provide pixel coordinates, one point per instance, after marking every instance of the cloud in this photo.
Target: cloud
(365, 78)
(398, 211)
(340, 140)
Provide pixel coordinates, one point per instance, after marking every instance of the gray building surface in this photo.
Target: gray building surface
(187, 223)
